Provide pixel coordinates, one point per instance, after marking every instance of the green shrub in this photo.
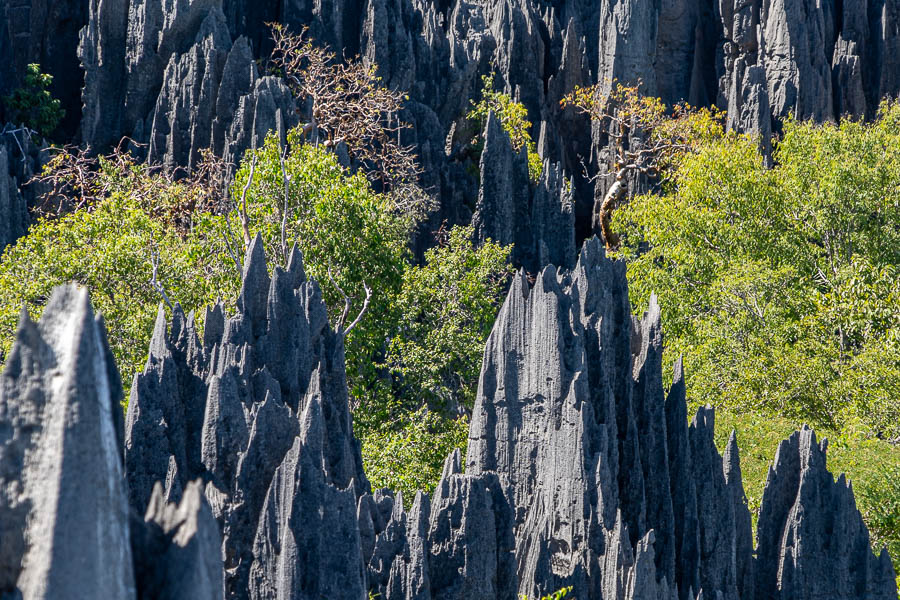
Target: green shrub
(408, 454)
(447, 309)
(513, 118)
(108, 250)
(32, 105)
(780, 286)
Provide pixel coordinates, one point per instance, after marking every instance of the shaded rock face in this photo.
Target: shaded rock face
(182, 75)
(239, 452)
(43, 32)
(537, 219)
(20, 160)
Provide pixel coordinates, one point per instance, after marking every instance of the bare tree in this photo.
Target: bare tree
(647, 137)
(350, 106)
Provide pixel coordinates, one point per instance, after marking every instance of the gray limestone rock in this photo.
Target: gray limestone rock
(470, 537)
(581, 469)
(229, 409)
(743, 530)
(177, 548)
(812, 541)
(715, 510)
(684, 490)
(64, 521)
(13, 208)
(537, 219)
(308, 542)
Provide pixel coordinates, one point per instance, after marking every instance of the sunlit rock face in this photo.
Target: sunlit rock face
(237, 474)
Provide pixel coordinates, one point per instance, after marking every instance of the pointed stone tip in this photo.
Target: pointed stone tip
(452, 466)
(653, 309)
(255, 255)
(24, 318)
(678, 370)
(732, 459)
(397, 511)
(295, 265)
(158, 343)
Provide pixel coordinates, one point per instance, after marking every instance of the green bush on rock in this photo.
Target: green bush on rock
(32, 105)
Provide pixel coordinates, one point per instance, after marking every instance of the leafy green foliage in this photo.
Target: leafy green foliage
(108, 250)
(447, 309)
(513, 117)
(779, 286)
(32, 105)
(557, 595)
(340, 225)
(408, 454)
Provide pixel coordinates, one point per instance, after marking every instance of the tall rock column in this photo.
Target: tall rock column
(64, 520)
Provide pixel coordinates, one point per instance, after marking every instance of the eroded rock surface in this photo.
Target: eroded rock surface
(582, 470)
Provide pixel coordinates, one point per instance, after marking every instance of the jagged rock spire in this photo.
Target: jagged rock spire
(63, 509)
(812, 540)
(581, 469)
(66, 530)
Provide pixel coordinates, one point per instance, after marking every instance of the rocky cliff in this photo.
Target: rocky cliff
(182, 75)
(236, 473)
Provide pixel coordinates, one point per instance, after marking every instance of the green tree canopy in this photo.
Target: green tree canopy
(780, 286)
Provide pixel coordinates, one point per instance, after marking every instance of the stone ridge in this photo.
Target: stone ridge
(239, 451)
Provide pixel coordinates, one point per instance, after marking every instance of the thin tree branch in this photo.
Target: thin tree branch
(346, 312)
(244, 221)
(362, 311)
(154, 261)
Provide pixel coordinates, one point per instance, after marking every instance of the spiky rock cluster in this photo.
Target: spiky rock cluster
(240, 455)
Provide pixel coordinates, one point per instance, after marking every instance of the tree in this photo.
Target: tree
(349, 235)
(447, 309)
(647, 138)
(32, 104)
(110, 251)
(350, 106)
(780, 285)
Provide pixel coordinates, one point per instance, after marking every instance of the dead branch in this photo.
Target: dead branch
(154, 281)
(659, 135)
(245, 223)
(362, 311)
(349, 104)
(339, 326)
(346, 298)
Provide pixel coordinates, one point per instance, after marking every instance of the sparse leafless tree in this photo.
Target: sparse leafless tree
(664, 134)
(351, 106)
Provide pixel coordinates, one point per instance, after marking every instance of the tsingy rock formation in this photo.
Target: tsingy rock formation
(66, 529)
(239, 452)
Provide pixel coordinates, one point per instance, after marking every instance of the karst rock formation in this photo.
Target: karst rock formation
(180, 76)
(236, 474)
